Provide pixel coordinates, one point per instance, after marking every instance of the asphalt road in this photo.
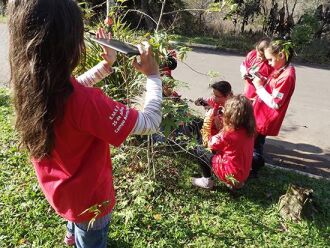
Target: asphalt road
(304, 140)
(4, 65)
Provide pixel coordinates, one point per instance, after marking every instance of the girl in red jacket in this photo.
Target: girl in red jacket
(255, 64)
(273, 96)
(233, 146)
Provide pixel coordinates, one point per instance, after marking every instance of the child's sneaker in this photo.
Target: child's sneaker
(203, 182)
(69, 239)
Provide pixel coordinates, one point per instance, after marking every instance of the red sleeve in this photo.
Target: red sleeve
(250, 59)
(265, 69)
(211, 102)
(217, 142)
(172, 53)
(107, 119)
(283, 89)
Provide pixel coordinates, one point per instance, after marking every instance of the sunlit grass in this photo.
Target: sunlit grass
(162, 212)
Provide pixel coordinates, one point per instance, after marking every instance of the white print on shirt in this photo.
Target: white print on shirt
(277, 94)
(119, 117)
(124, 120)
(114, 113)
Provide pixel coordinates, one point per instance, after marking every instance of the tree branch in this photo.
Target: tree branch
(160, 15)
(140, 12)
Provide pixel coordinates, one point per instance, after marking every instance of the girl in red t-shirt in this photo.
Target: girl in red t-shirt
(66, 127)
(273, 96)
(255, 64)
(213, 118)
(233, 146)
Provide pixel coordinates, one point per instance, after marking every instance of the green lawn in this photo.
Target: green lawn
(239, 43)
(3, 19)
(162, 212)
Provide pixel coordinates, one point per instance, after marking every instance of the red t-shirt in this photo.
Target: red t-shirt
(234, 154)
(281, 87)
(262, 67)
(78, 173)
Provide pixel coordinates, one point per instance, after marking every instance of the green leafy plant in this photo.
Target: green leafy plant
(287, 45)
(96, 210)
(231, 179)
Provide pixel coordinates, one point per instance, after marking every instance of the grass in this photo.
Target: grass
(3, 19)
(166, 212)
(238, 43)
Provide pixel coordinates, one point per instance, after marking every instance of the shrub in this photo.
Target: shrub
(303, 32)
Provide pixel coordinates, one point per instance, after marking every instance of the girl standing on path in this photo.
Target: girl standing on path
(273, 96)
(65, 126)
(255, 64)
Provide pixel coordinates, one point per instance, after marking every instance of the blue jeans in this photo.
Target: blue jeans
(94, 237)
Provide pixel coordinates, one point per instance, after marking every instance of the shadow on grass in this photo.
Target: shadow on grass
(187, 213)
(272, 183)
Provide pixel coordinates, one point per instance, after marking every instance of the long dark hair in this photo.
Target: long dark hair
(46, 43)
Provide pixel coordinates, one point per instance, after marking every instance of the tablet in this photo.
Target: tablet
(118, 45)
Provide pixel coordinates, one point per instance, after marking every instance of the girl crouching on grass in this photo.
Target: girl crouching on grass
(233, 146)
(213, 117)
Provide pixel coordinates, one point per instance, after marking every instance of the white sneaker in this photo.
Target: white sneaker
(203, 182)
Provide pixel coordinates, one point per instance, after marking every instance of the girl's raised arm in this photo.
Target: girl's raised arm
(104, 68)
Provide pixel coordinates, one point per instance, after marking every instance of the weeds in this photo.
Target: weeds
(162, 212)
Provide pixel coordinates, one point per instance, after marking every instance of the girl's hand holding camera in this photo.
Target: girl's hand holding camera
(147, 64)
(257, 82)
(109, 55)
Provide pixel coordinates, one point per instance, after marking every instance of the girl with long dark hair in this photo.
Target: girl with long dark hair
(65, 126)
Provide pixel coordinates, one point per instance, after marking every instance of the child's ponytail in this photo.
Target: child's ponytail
(282, 45)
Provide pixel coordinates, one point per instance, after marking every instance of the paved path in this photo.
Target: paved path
(304, 140)
(4, 65)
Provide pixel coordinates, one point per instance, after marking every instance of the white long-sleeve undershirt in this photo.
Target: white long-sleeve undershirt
(150, 117)
(95, 74)
(266, 98)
